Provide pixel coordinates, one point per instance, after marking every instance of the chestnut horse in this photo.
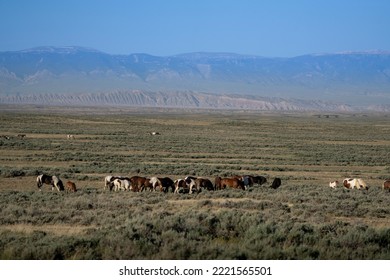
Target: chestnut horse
(139, 184)
(223, 183)
(71, 186)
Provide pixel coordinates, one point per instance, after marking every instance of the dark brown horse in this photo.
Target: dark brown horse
(260, 180)
(276, 183)
(203, 183)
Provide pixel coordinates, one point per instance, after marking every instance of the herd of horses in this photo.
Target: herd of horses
(55, 183)
(357, 183)
(189, 184)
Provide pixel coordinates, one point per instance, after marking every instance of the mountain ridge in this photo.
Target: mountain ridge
(359, 79)
(137, 98)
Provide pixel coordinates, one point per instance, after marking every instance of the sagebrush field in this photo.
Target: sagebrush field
(303, 219)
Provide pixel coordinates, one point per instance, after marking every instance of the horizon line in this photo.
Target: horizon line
(91, 49)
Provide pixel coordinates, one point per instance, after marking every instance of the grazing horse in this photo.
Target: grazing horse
(260, 180)
(122, 184)
(247, 180)
(354, 183)
(54, 181)
(198, 183)
(139, 184)
(70, 187)
(350, 183)
(109, 181)
(181, 186)
(156, 183)
(163, 184)
(362, 184)
(204, 183)
(386, 185)
(276, 183)
(167, 183)
(223, 183)
(201, 183)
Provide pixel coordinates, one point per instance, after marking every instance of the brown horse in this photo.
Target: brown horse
(203, 183)
(70, 187)
(139, 184)
(223, 183)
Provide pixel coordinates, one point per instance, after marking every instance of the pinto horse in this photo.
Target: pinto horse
(181, 186)
(54, 181)
(162, 184)
(199, 184)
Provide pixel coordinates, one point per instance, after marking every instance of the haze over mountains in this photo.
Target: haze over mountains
(81, 76)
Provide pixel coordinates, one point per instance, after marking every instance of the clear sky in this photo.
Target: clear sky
(167, 27)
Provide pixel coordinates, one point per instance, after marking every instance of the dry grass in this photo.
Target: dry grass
(302, 219)
(59, 230)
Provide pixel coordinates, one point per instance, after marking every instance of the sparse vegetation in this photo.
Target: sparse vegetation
(304, 219)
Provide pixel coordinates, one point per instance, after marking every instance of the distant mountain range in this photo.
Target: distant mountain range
(81, 76)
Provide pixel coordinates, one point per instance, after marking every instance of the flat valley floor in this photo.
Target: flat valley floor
(303, 219)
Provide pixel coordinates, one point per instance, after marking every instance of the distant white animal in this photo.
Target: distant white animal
(333, 184)
(154, 133)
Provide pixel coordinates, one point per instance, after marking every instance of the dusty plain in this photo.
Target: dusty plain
(303, 219)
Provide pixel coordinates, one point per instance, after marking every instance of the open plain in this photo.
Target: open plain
(303, 219)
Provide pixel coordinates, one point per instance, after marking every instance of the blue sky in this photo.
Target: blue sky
(167, 27)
